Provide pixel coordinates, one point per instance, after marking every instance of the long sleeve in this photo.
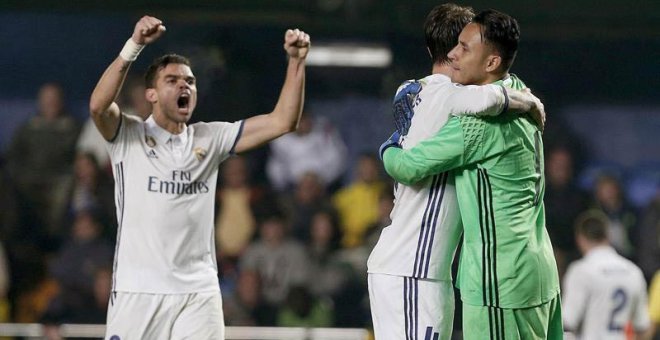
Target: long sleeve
(442, 152)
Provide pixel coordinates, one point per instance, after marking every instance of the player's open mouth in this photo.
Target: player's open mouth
(183, 102)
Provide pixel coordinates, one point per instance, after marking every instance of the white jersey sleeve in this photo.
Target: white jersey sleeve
(486, 100)
(226, 136)
(128, 132)
(640, 318)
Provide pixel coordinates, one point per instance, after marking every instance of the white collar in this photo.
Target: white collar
(162, 135)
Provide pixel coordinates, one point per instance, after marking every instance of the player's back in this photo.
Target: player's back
(612, 294)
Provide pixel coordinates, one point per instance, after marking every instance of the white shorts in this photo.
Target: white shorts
(138, 316)
(411, 309)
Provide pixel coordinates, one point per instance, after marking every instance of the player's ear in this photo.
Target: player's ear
(493, 62)
(151, 95)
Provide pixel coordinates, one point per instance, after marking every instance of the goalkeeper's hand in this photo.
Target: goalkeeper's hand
(393, 141)
(402, 106)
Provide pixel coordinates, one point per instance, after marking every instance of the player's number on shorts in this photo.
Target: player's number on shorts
(538, 148)
(619, 300)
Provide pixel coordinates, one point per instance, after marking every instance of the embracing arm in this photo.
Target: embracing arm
(284, 118)
(102, 107)
(492, 100)
(442, 152)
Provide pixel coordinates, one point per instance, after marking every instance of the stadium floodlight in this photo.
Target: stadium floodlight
(349, 55)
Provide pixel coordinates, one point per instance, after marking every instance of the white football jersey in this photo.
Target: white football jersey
(164, 192)
(603, 293)
(426, 225)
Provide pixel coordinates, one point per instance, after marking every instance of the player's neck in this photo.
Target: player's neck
(164, 122)
(443, 68)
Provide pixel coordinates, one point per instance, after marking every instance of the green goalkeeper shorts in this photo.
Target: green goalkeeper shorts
(540, 322)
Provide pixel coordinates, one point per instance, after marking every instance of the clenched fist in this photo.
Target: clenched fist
(296, 43)
(147, 30)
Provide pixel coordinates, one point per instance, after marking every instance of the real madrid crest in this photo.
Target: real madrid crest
(200, 153)
(151, 142)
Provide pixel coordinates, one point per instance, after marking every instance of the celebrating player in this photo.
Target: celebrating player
(410, 285)
(507, 273)
(165, 282)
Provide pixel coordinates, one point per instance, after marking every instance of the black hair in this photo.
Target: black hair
(160, 63)
(442, 27)
(502, 31)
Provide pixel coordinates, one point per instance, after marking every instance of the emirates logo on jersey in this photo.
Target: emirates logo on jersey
(200, 153)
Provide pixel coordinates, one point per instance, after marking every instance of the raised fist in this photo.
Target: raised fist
(147, 30)
(296, 43)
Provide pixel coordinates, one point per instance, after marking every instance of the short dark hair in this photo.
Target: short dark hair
(502, 31)
(592, 225)
(442, 27)
(160, 63)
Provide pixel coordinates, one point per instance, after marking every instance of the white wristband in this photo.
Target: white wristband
(131, 50)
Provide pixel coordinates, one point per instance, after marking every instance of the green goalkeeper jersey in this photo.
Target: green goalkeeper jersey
(507, 259)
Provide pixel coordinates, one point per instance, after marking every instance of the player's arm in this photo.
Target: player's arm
(492, 100)
(640, 319)
(102, 107)
(284, 118)
(442, 152)
(575, 299)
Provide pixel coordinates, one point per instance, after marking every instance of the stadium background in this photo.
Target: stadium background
(595, 64)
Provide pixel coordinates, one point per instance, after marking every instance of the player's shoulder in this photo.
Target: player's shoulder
(514, 82)
(580, 267)
(131, 120)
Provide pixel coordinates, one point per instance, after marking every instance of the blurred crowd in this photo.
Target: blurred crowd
(293, 230)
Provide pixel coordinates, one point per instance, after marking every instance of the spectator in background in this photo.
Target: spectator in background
(357, 203)
(75, 269)
(134, 102)
(385, 206)
(563, 203)
(315, 147)
(603, 292)
(39, 162)
(609, 198)
(235, 221)
(329, 273)
(302, 309)
(243, 307)
(648, 247)
(280, 262)
(239, 204)
(93, 190)
(308, 198)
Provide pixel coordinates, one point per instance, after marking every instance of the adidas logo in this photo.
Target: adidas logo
(152, 154)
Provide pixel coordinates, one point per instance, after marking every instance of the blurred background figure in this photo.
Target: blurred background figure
(280, 262)
(308, 197)
(648, 246)
(622, 229)
(244, 307)
(358, 202)
(239, 204)
(302, 309)
(315, 147)
(39, 161)
(604, 293)
(93, 191)
(82, 272)
(563, 203)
